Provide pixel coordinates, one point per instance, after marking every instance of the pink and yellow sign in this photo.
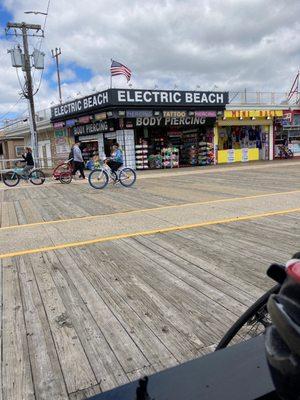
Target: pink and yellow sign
(252, 113)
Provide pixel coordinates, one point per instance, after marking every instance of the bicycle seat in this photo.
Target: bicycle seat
(277, 272)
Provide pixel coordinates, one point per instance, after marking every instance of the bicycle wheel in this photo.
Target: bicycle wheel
(98, 179)
(58, 170)
(252, 323)
(290, 153)
(127, 177)
(37, 177)
(11, 179)
(65, 177)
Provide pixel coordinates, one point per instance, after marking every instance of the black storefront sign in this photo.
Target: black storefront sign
(139, 98)
(91, 129)
(174, 121)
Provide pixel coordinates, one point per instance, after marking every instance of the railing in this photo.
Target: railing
(262, 98)
(12, 124)
(44, 163)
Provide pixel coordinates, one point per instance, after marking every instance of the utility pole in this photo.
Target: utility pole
(24, 28)
(55, 54)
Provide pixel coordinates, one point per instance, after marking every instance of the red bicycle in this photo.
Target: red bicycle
(63, 172)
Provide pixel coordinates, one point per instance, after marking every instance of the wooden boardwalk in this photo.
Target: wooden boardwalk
(82, 320)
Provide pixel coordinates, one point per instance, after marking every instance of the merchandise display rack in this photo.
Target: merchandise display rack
(170, 157)
(141, 156)
(206, 153)
(190, 149)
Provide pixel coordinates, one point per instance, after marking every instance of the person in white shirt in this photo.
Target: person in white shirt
(78, 160)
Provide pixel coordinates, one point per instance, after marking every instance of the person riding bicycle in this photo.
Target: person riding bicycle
(28, 159)
(116, 159)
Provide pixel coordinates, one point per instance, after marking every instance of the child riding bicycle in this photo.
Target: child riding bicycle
(116, 159)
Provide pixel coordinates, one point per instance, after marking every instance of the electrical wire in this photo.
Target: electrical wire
(13, 123)
(2, 117)
(39, 47)
(20, 83)
(38, 88)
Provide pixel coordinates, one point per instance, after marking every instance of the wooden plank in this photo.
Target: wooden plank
(139, 373)
(85, 393)
(68, 207)
(99, 351)
(76, 369)
(41, 206)
(13, 219)
(47, 375)
(201, 247)
(178, 294)
(5, 214)
(147, 343)
(16, 371)
(19, 213)
(128, 354)
(180, 339)
(30, 212)
(2, 192)
(208, 284)
(254, 266)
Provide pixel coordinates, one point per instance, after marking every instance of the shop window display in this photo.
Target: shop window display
(89, 150)
(174, 147)
(170, 157)
(238, 137)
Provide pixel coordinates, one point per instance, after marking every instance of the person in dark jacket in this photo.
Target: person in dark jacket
(28, 159)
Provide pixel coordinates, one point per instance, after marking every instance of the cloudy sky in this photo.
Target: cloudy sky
(188, 44)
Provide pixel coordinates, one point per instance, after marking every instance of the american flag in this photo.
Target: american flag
(117, 68)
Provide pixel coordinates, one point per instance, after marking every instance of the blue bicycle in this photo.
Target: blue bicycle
(100, 177)
(12, 178)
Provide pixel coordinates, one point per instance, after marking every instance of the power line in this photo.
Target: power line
(20, 83)
(14, 123)
(10, 108)
(40, 45)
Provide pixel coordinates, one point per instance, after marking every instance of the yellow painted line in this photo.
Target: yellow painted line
(143, 210)
(146, 233)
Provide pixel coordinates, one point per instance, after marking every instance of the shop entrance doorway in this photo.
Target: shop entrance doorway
(90, 151)
(108, 144)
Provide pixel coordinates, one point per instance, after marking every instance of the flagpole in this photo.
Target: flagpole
(111, 75)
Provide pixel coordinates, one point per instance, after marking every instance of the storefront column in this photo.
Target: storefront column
(101, 147)
(271, 142)
(216, 142)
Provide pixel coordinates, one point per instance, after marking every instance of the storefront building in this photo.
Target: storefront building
(246, 135)
(155, 128)
(11, 146)
(53, 146)
(287, 131)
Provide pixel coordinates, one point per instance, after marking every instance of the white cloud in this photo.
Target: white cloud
(231, 43)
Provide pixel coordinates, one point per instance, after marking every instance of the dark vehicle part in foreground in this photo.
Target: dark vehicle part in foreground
(283, 336)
